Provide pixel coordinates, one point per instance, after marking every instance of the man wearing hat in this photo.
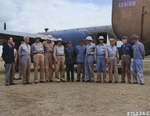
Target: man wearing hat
(89, 59)
(100, 59)
(112, 57)
(25, 60)
(59, 57)
(48, 58)
(69, 60)
(37, 52)
(126, 52)
(137, 64)
(80, 51)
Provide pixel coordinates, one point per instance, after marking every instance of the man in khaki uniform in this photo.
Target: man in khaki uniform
(112, 57)
(59, 56)
(48, 58)
(37, 51)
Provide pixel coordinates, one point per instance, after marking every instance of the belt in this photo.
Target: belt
(25, 54)
(49, 52)
(39, 53)
(60, 55)
(112, 56)
(125, 54)
(100, 55)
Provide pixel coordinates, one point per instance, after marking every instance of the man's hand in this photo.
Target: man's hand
(108, 61)
(117, 61)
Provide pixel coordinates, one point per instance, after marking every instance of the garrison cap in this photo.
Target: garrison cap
(81, 40)
(112, 40)
(134, 36)
(124, 37)
(37, 38)
(89, 38)
(101, 38)
(69, 42)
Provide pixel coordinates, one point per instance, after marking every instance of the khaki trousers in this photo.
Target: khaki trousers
(25, 64)
(38, 60)
(104, 75)
(113, 66)
(79, 67)
(59, 66)
(48, 61)
(126, 62)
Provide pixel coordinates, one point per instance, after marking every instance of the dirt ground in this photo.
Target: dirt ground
(74, 99)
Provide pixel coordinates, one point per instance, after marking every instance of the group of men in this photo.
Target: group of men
(50, 57)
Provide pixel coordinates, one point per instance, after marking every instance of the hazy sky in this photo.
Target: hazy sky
(35, 15)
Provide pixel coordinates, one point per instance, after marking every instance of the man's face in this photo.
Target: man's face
(124, 41)
(59, 42)
(88, 41)
(134, 41)
(27, 41)
(69, 45)
(48, 41)
(101, 41)
(112, 43)
(81, 43)
(10, 41)
(37, 40)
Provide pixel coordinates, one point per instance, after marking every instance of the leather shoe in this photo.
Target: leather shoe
(28, 83)
(13, 84)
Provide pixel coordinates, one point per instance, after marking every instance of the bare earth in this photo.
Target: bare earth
(74, 99)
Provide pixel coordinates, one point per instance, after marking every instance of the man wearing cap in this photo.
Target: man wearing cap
(100, 59)
(25, 60)
(48, 58)
(137, 64)
(80, 51)
(59, 57)
(126, 52)
(69, 60)
(37, 51)
(112, 57)
(89, 59)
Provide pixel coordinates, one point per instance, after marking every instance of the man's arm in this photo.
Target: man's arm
(106, 55)
(95, 55)
(4, 53)
(54, 54)
(142, 51)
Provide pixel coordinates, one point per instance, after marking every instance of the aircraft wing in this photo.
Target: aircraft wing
(5, 33)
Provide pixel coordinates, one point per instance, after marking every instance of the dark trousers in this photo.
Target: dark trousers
(70, 68)
(8, 74)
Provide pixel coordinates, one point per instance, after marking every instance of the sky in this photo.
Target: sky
(33, 16)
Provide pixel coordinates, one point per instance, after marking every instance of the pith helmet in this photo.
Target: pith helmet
(135, 36)
(59, 39)
(49, 37)
(89, 38)
(101, 38)
(124, 37)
